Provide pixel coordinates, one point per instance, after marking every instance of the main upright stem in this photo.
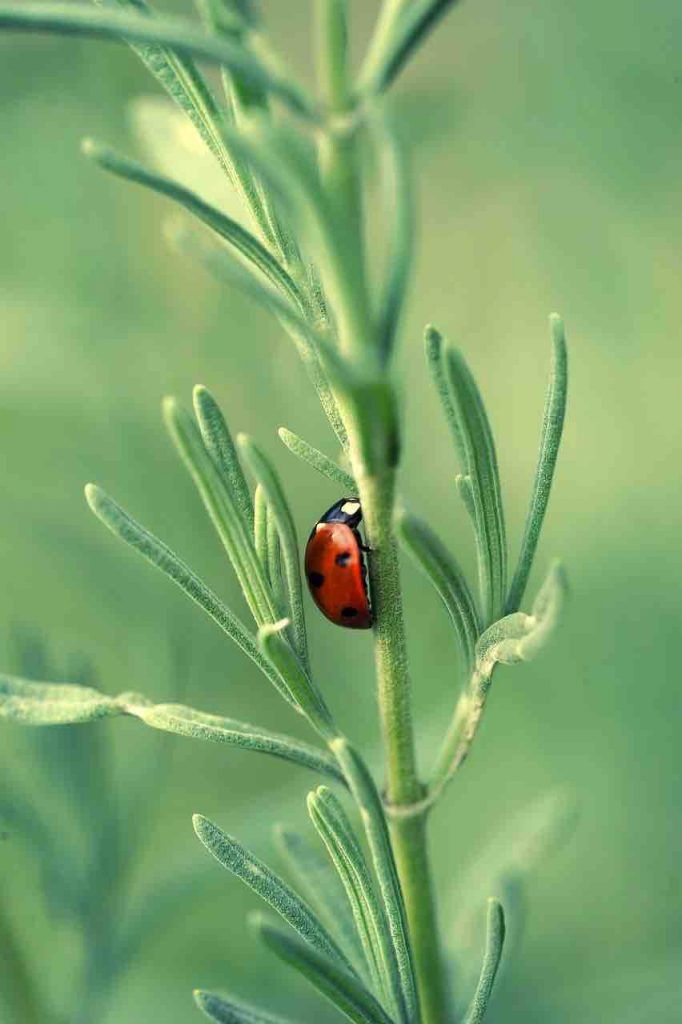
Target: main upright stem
(376, 489)
(403, 788)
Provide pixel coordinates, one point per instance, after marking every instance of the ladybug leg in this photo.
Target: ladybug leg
(364, 547)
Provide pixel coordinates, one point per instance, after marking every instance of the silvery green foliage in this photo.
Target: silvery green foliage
(79, 837)
(365, 933)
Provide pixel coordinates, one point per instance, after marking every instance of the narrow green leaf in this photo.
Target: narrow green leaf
(413, 22)
(177, 33)
(244, 243)
(342, 989)
(260, 526)
(274, 558)
(371, 809)
(309, 341)
(31, 703)
(268, 478)
(158, 554)
(223, 1012)
(516, 637)
(473, 439)
(185, 85)
(494, 942)
(220, 503)
(269, 886)
(439, 565)
(550, 440)
(322, 463)
(52, 703)
(400, 228)
(302, 689)
(184, 721)
(317, 879)
(519, 637)
(336, 832)
(220, 446)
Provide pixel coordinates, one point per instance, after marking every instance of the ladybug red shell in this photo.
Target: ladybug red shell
(335, 566)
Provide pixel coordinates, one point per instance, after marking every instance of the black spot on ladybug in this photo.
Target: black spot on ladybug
(349, 613)
(316, 579)
(343, 559)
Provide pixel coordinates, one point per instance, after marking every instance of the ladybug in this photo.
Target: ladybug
(335, 566)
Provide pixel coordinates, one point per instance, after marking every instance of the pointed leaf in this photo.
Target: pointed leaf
(369, 804)
(269, 886)
(317, 879)
(399, 220)
(335, 830)
(552, 428)
(393, 48)
(185, 721)
(473, 439)
(303, 691)
(494, 943)
(322, 463)
(178, 33)
(244, 243)
(221, 505)
(158, 554)
(185, 85)
(439, 565)
(342, 989)
(220, 446)
(268, 478)
(223, 1012)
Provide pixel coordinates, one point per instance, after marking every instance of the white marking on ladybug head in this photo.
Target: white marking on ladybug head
(350, 508)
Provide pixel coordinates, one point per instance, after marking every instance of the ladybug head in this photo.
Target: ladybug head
(346, 511)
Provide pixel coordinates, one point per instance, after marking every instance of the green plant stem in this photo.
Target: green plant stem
(408, 833)
(403, 788)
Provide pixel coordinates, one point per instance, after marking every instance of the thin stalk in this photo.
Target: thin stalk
(338, 160)
(403, 788)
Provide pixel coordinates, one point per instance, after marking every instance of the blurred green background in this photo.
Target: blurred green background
(546, 145)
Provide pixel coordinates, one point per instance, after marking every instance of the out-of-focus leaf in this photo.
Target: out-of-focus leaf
(344, 990)
(270, 887)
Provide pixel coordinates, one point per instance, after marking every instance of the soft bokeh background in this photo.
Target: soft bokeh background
(546, 145)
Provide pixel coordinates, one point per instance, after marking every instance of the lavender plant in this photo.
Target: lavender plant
(296, 161)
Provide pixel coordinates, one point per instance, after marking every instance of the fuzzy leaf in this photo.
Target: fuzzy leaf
(31, 703)
(519, 637)
(335, 830)
(269, 886)
(303, 691)
(158, 554)
(439, 565)
(394, 47)
(221, 505)
(473, 439)
(244, 243)
(52, 703)
(550, 440)
(309, 340)
(317, 879)
(318, 460)
(185, 721)
(369, 803)
(223, 1012)
(494, 943)
(184, 83)
(178, 33)
(342, 989)
(268, 478)
(220, 446)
